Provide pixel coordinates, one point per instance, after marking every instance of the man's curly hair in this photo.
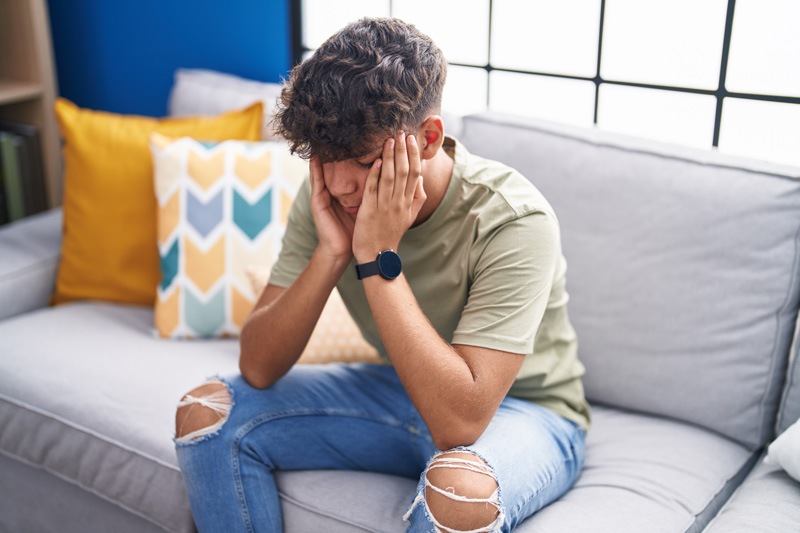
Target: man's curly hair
(367, 82)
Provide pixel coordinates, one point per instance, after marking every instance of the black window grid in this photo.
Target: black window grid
(299, 49)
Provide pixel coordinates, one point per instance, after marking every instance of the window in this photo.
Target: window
(717, 73)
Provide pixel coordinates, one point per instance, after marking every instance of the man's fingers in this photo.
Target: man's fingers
(400, 167)
(370, 196)
(387, 176)
(317, 180)
(419, 197)
(414, 166)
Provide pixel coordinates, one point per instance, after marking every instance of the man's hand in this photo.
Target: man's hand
(393, 196)
(334, 226)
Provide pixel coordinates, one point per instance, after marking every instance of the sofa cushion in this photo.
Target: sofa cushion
(768, 501)
(88, 394)
(208, 92)
(645, 473)
(92, 401)
(30, 249)
(790, 403)
(335, 338)
(109, 241)
(785, 451)
(642, 474)
(222, 207)
(682, 268)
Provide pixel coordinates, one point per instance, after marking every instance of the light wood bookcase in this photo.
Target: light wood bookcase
(28, 85)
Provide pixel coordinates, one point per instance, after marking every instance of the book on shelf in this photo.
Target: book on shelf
(23, 170)
(15, 202)
(3, 207)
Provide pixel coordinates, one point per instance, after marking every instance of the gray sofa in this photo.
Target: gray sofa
(684, 284)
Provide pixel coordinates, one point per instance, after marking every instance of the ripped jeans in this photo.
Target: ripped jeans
(359, 417)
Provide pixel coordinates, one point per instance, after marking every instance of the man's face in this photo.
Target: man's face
(345, 179)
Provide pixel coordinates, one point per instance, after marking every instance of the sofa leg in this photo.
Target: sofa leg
(202, 411)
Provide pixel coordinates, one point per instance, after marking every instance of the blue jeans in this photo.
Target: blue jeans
(359, 417)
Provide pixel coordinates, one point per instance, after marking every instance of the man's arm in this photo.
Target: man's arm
(277, 330)
(456, 389)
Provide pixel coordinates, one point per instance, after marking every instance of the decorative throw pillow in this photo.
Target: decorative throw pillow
(208, 92)
(785, 451)
(108, 249)
(221, 207)
(336, 336)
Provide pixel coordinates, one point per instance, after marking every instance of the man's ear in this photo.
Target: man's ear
(430, 136)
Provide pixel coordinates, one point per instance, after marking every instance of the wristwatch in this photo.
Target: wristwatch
(388, 265)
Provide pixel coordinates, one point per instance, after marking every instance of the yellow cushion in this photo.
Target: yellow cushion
(336, 337)
(109, 251)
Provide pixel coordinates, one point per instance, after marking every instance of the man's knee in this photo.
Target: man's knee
(462, 492)
(202, 411)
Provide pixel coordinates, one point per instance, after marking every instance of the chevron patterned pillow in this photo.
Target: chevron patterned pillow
(222, 206)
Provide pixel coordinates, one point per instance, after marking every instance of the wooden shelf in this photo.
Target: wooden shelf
(28, 87)
(12, 91)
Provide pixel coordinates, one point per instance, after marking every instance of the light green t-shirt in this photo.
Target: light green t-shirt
(487, 270)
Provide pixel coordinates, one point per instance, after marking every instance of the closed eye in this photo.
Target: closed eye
(365, 165)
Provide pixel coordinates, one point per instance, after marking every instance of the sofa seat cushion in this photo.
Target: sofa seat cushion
(767, 502)
(642, 474)
(646, 473)
(88, 394)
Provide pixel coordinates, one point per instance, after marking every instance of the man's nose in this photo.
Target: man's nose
(341, 182)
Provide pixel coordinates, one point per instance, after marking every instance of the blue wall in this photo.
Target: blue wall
(120, 56)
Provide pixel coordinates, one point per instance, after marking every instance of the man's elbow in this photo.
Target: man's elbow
(255, 377)
(463, 433)
(254, 373)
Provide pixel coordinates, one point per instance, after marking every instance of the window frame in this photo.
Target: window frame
(299, 49)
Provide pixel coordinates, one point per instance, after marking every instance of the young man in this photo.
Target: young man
(450, 264)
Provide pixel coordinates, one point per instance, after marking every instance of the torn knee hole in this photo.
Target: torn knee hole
(202, 411)
(461, 494)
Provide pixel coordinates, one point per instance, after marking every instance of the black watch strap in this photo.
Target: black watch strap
(388, 265)
(367, 269)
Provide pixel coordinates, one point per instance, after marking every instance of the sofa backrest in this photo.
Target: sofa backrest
(682, 268)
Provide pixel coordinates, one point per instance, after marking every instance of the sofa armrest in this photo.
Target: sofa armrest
(30, 250)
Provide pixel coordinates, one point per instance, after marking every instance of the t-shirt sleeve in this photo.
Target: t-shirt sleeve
(511, 286)
(299, 240)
